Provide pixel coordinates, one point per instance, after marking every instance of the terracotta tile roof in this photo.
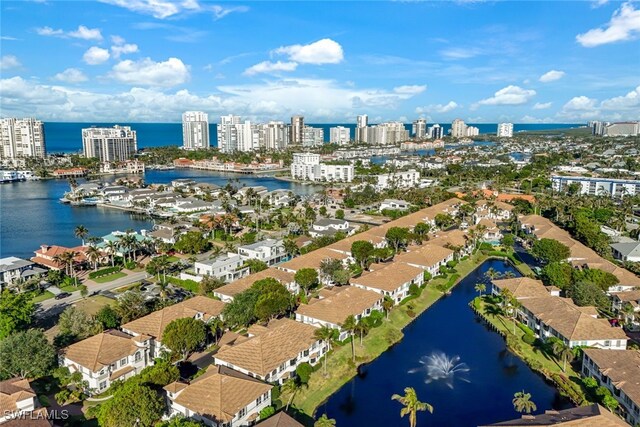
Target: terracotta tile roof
(627, 296)
(622, 367)
(582, 416)
(572, 323)
(13, 391)
(99, 351)
(344, 245)
(261, 354)
(45, 253)
(489, 223)
(390, 277)
(155, 323)
(426, 255)
(453, 238)
(281, 419)
(337, 307)
(312, 259)
(522, 287)
(220, 396)
(241, 285)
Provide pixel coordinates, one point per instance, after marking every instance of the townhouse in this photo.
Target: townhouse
(335, 305)
(492, 209)
(220, 397)
(427, 257)
(627, 305)
(593, 415)
(619, 371)
(107, 357)
(153, 325)
(272, 353)
(456, 240)
(312, 259)
(269, 251)
(228, 292)
(392, 280)
(18, 405)
(489, 231)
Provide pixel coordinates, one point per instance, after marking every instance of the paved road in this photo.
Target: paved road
(54, 306)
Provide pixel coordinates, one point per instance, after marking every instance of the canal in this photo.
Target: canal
(479, 393)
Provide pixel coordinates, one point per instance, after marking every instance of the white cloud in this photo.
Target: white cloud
(325, 51)
(624, 25)
(510, 95)
(626, 107)
(580, 103)
(71, 75)
(410, 89)
(147, 72)
(597, 3)
(124, 49)
(9, 61)
(438, 108)
(162, 9)
(96, 55)
(270, 67)
(460, 53)
(542, 105)
(117, 40)
(83, 32)
(630, 101)
(551, 76)
(531, 119)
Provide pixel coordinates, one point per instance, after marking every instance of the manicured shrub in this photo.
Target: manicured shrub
(104, 272)
(529, 338)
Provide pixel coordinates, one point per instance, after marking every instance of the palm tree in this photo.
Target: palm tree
(522, 402)
(162, 263)
(324, 334)
(492, 273)
(411, 405)
(324, 421)
(387, 305)
(81, 232)
(124, 243)
(68, 258)
(112, 247)
(480, 288)
(564, 352)
(94, 255)
(350, 325)
(292, 386)
(362, 327)
(510, 304)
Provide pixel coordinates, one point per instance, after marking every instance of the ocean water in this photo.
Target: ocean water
(63, 137)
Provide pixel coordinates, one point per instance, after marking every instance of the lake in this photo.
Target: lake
(31, 213)
(480, 396)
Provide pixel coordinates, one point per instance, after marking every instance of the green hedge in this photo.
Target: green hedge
(104, 272)
(526, 329)
(529, 338)
(190, 285)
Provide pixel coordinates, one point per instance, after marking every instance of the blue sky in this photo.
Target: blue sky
(482, 61)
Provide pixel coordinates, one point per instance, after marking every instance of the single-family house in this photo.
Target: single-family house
(394, 204)
(14, 270)
(269, 251)
(227, 267)
(329, 227)
(626, 251)
(48, 256)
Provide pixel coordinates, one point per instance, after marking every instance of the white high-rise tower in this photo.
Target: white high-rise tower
(195, 130)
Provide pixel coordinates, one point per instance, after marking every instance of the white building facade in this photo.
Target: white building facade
(339, 135)
(597, 186)
(307, 166)
(402, 179)
(20, 138)
(505, 130)
(114, 144)
(195, 130)
(419, 129)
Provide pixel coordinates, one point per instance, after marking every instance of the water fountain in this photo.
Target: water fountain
(440, 367)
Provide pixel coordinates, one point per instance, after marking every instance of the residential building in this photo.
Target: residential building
(584, 416)
(386, 133)
(281, 419)
(227, 267)
(21, 138)
(116, 237)
(611, 187)
(272, 353)
(505, 130)
(219, 397)
(392, 280)
(622, 301)
(401, 179)
(312, 137)
(394, 204)
(273, 136)
(419, 129)
(151, 327)
(107, 357)
(490, 231)
(492, 209)
(15, 270)
(18, 405)
(339, 135)
(436, 131)
(48, 256)
(227, 133)
(329, 227)
(362, 123)
(458, 129)
(313, 259)
(115, 144)
(472, 131)
(597, 127)
(195, 130)
(336, 305)
(228, 292)
(307, 166)
(269, 251)
(427, 257)
(619, 372)
(296, 130)
(622, 129)
(626, 251)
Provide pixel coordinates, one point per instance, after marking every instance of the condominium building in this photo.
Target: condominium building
(195, 130)
(597, 127)
(597, 186)
(361, 128)
(436, 131)
(296, 130)
(622, 129)
(458, 128)
(227, 133)
(312, 137)
(21, 138)
(419, 129)
(386, 133)
(402, 179)
(339, 135)
(505, 130)
(114, 144)
(472, 131)
(307, 166)
(273, 136)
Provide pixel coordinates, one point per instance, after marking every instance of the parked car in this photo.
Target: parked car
(63, 295)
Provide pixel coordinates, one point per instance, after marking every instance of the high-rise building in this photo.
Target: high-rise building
(419, 129)
(296, 130)
(195, 130)
(274, 136)
(21, 138)
(312, 137)
(436, 131)
(387, 133)
(622, 129)
(228, 133)
(361, 128)
(458, 129)
(363, 121)
(307, 166)
(339, 135)
(597, 127)
(472, 131)
(505, 130)
(114, 144)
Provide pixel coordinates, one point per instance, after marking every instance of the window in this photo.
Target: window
(123, 362)
(259, 400)
(102, 385)
(242, 412)
(138, 357)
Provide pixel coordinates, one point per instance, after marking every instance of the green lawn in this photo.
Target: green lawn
(69, 288)
(341, 369)
(173, 258)
(110, 277)
(42, 297)
(91, 305)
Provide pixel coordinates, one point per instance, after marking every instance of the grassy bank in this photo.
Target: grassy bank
(340, 367)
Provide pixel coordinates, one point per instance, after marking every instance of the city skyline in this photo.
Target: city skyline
(143, 61)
